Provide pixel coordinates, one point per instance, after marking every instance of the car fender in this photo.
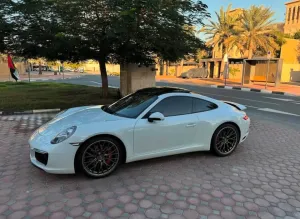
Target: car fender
(121, 129)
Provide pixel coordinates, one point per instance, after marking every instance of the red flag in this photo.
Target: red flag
(10, 62)
(13, 71)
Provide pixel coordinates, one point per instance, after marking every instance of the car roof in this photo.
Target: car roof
(157, 91)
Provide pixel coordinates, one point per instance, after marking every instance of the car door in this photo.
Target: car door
(177, 130)
(207, 117)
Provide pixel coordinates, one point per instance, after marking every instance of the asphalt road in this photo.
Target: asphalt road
(281, 109)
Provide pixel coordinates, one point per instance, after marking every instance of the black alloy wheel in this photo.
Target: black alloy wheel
(225, 140)
(99, 157)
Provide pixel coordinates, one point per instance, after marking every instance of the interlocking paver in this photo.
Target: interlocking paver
(260, 180)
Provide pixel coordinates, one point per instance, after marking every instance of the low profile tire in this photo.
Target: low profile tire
(99, 157)
(225, 140)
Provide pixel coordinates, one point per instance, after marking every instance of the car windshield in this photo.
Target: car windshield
(131, 106)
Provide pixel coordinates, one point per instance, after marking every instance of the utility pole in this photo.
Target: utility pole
(29, 69)
(62, 68)
(225, 59)
(268, 71)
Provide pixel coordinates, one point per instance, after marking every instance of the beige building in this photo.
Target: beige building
(91, 66)
(292, 17)
(290, 53)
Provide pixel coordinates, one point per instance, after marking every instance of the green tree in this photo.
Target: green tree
(38, 32)
(134, 31)
(297, 35)
(280, 41)
(219, 32)
(117, 31)
(203, 53)
(5, 26)
(256, 30)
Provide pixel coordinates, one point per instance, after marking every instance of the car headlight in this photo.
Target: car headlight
(64, 135)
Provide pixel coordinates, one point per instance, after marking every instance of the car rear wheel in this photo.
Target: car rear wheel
(99, 157)
(225, 140)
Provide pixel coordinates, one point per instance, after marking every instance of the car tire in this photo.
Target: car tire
(101, 163)
(225, 140)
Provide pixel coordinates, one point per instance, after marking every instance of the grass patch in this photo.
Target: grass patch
(41, 95)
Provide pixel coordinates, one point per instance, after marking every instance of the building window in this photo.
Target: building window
(289, 14)
(298, 13)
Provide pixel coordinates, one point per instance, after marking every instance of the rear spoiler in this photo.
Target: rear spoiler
(236, 105)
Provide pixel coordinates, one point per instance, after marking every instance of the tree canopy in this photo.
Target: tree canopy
(117, 31)
(252, 30)
(221, 30)
(5, 27)
(257, 30)
(297, 35)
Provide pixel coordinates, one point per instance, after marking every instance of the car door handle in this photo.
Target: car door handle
(191, 125)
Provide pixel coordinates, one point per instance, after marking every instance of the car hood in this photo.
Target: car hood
(76, 117)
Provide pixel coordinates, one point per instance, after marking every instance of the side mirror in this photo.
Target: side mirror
(156, 117)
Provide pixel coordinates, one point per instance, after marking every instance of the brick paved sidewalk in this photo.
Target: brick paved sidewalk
(260, 180)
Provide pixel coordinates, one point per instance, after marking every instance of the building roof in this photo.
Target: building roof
(211, 60)
(262, 59)
(291, 2)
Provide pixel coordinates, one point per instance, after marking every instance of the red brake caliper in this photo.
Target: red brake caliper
(108, 160)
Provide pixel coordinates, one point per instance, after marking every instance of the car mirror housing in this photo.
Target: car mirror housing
(156, 117)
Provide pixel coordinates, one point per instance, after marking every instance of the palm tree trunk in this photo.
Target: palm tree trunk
(250, 53)
(250, 50)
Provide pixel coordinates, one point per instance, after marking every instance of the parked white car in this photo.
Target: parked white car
(151, 122)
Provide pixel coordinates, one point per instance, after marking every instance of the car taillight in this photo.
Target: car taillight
(246, 117)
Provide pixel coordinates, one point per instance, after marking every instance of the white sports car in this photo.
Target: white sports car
(151, 122)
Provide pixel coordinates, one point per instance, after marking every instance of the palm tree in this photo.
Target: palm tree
(255, 31)
(220, 31)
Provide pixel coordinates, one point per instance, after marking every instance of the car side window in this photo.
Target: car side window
(174, 106)
(200, 105)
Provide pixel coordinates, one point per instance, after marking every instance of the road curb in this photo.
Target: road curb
(253, 90)
(54, 79)
(35, 111)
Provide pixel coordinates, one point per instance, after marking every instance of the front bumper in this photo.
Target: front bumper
(58, 159)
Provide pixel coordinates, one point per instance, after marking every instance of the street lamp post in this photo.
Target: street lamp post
(225, 59)
(29, 69)
(268, 71)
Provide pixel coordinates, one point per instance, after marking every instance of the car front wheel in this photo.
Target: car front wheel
(99, 157)
(225, 140)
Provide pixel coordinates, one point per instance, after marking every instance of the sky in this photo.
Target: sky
(276, 5)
